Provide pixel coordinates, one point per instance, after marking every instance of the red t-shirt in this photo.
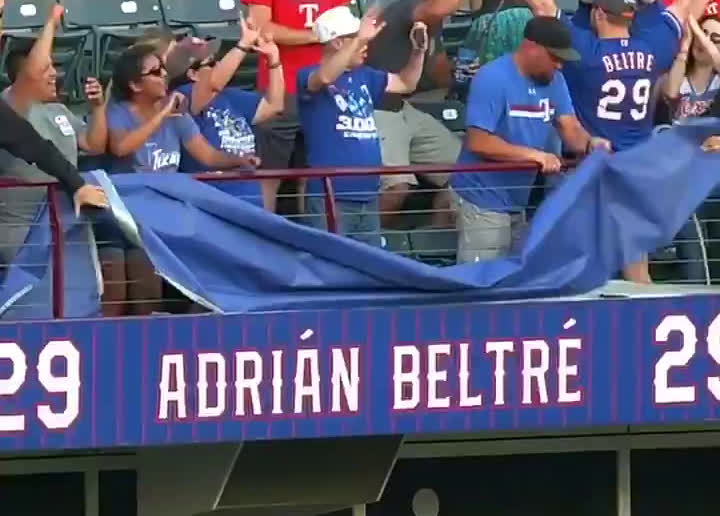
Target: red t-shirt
(299, 15)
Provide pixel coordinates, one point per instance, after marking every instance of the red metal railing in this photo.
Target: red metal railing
(57, 235)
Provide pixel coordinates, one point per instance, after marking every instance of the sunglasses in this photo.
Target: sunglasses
(714, 37)
(156, 72)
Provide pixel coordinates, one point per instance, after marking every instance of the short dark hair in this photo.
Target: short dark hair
(128, 69)
(16, 60)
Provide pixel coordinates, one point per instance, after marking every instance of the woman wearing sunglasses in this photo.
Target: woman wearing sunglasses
(148, 129)
(226, 115)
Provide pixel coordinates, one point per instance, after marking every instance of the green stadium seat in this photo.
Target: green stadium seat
(450, 112)
(434, 246)
(22, 21)
(397, 242)
(218, 19)
(454, 31)
(114, 23)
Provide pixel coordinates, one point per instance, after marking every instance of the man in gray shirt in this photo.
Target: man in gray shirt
(33, 95)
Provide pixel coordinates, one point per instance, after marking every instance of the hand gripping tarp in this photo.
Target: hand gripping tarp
(234, 257)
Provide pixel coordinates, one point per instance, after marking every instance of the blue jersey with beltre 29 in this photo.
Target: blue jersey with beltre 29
(612, 83)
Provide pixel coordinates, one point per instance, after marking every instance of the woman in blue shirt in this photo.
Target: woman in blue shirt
(147, 130)
(226, 115)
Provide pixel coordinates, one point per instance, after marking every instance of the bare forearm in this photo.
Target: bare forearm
(410, 75)
(675, 77)
(225, 70)
(223, 161)
(97, 133)
(274, 100)
(41, 50)
(576, 138)
(489, 146)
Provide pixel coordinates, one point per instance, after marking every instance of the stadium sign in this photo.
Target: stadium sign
(531, 366)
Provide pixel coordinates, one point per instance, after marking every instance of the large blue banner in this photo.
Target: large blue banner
(472, 368)
(234, 257)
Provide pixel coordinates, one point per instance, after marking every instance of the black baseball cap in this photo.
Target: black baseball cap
(552, 34)
(624, 8)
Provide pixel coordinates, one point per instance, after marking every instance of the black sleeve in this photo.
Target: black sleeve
(21, 140)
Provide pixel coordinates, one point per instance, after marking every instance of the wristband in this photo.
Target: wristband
(247, 50)
(274, 65)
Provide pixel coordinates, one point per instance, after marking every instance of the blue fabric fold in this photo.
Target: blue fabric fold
(236, 257)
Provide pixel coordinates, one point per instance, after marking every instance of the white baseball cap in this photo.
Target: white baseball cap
(335, 23)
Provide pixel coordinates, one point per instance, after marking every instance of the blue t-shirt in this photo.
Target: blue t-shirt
(612, 84)
(340, 131)
(227, 124)
(161, 152)
(521, 112)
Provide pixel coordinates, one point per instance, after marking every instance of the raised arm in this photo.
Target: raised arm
(333, 67)
(273, 103)
(40, 55)
(685, 9)
(205, 90)
(262, 14)
(406, 80)
(676, 75)
(94, 141)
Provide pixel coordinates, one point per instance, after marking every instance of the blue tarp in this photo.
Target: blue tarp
(233, 256)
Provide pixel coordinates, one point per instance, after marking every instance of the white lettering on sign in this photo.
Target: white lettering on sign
(681, 325)
(310, 11)
(68, 384)
(172, 386)
(500, 348)
(258, 384)
(205, 361)
(566, 370)
(9, 386)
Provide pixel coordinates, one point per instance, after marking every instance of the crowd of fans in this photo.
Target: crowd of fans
(335, 90)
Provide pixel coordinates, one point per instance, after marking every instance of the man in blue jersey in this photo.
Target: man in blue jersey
(621, 60)
(336, 103)
(517, 106)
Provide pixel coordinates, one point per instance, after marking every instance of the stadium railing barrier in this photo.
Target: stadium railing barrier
(420, 229)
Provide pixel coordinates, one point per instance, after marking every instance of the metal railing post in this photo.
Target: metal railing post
(58, 243)
(330, 206)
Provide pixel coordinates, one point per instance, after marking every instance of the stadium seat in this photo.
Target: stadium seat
(22, 20)
(114, 23)
(434, 246)
(450, 112)
(217, 19)
(454, 31)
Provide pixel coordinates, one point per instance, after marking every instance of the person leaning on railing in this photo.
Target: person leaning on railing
(226, 115)
(34, 79)
(516, 104)
(336, 102)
